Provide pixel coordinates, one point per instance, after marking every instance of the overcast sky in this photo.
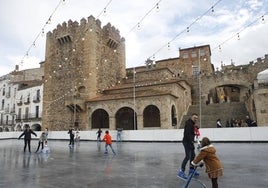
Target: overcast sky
(161, 31)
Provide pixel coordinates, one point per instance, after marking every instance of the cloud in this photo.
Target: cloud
(21, 22)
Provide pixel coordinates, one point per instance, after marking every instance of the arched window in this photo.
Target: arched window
(151, 116)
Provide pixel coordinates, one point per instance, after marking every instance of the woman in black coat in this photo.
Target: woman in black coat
(27, 137)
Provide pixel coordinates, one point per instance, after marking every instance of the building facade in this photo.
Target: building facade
(83, 83)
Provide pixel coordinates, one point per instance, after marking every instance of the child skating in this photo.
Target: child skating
(211, 160)
(108, 142)
(42, 139)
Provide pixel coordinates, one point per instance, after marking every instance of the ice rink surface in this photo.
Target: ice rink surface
(136, 165)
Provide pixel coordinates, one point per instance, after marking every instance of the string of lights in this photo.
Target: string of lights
(138, 24)
(237, 34)
(187, 29)
(41, 33)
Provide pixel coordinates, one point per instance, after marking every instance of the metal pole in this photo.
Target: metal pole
(199, 82)
(134, 98)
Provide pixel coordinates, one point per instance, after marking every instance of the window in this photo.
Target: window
(202, 52)
(26, 112)
(6, 119)
(195, 71)
(37, 112)
(193, 54)
(19, 113)
(3, 104)
(185, 55)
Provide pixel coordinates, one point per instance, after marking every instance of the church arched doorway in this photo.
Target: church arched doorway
(151, 116)
(100, 119)
(125, 119)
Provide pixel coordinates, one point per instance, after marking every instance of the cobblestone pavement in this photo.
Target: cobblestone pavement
(136, 165)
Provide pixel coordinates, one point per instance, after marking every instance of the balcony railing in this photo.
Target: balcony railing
(19, 103)
(27, 101)
(36, 99)
(28, 117)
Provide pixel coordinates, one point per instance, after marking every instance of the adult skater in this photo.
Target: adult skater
(27, 137)
(188, 144)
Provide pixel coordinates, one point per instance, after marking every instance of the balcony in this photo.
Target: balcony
(8, 95)
(19, 103)
(36, 99)
(28, 117)
(27, 101)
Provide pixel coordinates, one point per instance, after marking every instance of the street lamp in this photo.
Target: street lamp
(134, 98)
(199, 86)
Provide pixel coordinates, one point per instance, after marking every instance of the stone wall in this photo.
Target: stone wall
(81, 59)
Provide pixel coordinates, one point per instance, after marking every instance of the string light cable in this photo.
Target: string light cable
(237, 34)
(41, 33)
(187, 28)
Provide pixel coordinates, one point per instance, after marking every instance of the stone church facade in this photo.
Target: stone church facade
(87, 86)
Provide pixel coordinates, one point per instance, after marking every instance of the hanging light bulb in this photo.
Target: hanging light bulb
(157, 7)
(212, 10)
(104, 12)
(262, 20)
(49, 20)
(187, 30)
(219, 48)
(43, 32)
(238, 36)
(168, 46)
(139, 27)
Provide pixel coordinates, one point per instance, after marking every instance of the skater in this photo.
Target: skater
(188, 144)
(71, 143)
(77, 136)
(197, 136)
(27, 137)
(99, 135)
(42, 139)
(119, 134)
(211, 160)
(46, 132)
(108, 142)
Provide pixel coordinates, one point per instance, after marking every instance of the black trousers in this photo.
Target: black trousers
(40, 143)
(27, 142)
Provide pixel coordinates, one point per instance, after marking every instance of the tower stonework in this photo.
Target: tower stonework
(81, 61)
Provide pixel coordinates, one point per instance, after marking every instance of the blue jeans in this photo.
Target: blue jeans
(189, 155)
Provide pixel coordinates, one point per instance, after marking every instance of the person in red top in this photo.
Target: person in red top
(108, 142)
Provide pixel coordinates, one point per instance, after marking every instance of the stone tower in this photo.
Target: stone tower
(81, 61)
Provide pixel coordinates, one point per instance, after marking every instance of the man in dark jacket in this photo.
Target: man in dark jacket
(27, 137)
(188, 143)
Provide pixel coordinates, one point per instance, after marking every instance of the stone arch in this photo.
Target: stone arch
(151, 116)
(125, 119)
(210, 83)
(36, 127)
(100, 119)
(228, 93)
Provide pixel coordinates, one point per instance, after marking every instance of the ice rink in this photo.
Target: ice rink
(136, 165)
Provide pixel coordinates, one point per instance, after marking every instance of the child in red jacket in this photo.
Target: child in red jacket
(108, 142)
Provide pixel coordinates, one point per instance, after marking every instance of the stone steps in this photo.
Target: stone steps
(210, 113)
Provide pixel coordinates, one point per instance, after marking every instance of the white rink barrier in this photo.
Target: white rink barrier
(242, 134)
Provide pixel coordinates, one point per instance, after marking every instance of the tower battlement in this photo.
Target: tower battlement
(90, 24)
